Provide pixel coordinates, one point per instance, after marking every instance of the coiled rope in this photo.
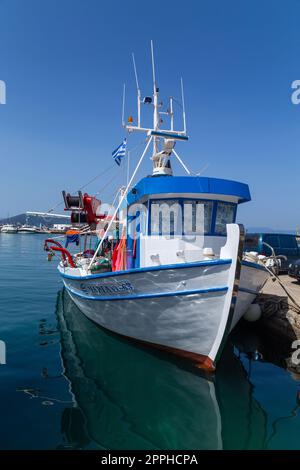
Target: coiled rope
(274, 304)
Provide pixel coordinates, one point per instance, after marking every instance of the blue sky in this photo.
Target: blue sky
(64, 63)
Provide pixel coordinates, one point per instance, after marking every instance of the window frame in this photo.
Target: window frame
(181, 200)
(234, 215)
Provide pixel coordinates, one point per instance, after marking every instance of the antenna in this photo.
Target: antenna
(203, 169)
(183, 106)
(155, 102)
(135, 73)
(171, 113)
(153, 64)
(123, 106)
(138, 91)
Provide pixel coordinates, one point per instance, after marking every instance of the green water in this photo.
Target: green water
(69, 384)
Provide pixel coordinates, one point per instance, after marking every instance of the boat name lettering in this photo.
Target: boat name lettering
(107, 289)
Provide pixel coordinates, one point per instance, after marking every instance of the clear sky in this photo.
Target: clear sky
(64, 63)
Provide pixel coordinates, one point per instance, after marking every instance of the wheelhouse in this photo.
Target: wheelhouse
(188, 213)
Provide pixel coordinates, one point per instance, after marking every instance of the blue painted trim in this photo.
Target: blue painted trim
(186, 185)
(138, 252)
(248, 291)
(131, 231)
(253, 265)
(149, 296)
(169, 135)
(149, 268)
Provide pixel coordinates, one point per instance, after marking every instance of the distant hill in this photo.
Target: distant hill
(47, 221)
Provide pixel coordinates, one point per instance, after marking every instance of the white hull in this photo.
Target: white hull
(27, 230)
(9, 230)
(187, 308)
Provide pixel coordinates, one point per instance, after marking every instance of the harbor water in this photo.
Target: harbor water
(68, 384)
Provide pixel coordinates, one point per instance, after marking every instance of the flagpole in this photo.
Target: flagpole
(120, 203)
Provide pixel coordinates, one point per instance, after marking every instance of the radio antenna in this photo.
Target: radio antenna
(155, 102)
(138, 91)
(183, 106)
(153, 64)
(123, 106)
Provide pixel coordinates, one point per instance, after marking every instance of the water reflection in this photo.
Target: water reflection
(130, 397)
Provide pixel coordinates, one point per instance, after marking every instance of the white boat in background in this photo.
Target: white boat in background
(9, 228)
(176, 278)
(27, 229)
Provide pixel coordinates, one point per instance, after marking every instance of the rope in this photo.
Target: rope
(82, 187)
(275, 277)
(95, 178)
(270, 305)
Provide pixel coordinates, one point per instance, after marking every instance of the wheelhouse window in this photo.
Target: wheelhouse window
(197, 217)
(225, 215)
(190, 217)
(166, 217)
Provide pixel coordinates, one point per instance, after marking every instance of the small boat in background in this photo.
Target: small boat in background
(26, 228)
(9, 228)
(59, 228)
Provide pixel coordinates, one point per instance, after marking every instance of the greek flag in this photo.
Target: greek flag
(119, 153)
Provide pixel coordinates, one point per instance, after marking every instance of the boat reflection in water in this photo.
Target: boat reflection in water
(130, 397)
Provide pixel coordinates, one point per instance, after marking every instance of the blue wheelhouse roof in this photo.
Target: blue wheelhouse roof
(187, 185)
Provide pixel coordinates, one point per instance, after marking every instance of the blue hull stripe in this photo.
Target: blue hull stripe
(149, 268)
(253, 265)
(149, 296)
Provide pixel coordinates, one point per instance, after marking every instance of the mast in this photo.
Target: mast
(155, 102)
(161, 159)
(163, 140)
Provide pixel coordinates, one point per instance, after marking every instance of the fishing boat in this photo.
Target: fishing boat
(174, 276)
(9, 228)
